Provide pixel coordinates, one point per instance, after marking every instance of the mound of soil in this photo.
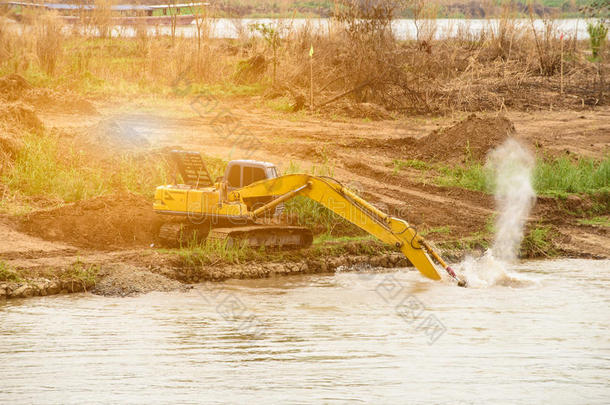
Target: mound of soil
(125, 280)
(9, 148)
(471, 138)
(15, 118)
(14, 87)
(114, 221)
(20, 116)
(63, 102)
(112, 133)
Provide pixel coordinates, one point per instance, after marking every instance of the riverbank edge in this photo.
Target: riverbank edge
(169, 275)
(130, 273)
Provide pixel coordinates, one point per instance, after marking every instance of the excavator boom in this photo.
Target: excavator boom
(345, 203)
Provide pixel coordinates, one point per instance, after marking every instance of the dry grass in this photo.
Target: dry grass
(357, 59)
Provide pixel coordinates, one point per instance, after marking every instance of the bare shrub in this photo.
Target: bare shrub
(49, 40)
(368, 60)
(547, 46)
(424, 17)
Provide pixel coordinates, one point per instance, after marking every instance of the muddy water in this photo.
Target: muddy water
(373, 337)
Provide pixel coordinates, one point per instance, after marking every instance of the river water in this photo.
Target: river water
(403, 28)
(375, 337)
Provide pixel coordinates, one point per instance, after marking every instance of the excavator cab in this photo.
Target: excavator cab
(242, 173)
(196, 207)
(239, 173)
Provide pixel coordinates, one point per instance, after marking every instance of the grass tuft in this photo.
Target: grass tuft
(214, 251)
(565, 176)
(312, 214)
(474, 176)
(411, 163)
(282, 104)
(596, 221)
(539, 242)
(8, 274)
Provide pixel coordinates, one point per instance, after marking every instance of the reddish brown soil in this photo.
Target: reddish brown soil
(471, 138)
(361, 155)
(108, 222)
(358, 153)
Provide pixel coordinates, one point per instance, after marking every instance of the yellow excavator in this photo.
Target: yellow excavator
(243, 206)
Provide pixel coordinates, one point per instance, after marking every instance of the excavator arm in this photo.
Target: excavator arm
(345, 203)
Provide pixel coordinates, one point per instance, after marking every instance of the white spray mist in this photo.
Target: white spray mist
(512, 165)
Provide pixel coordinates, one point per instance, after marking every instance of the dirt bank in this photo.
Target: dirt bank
(137, 272)
(109, 222)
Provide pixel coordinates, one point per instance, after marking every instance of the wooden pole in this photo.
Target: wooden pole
(561, 68)
(311, 78)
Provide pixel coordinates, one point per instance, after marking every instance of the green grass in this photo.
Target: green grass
(215, 251)
(441, 230)
(399, 164)
(312, 214)
(596, 221)
(82, 272)
(318, 218)
(327, 238)
(43, 169)
(282, 104)
(539, 242)
(566, 176)
(181, 11)
(130, 67)
(326, 245)
(7, 273)
(474, 176)
(38, 171)
(555, 177)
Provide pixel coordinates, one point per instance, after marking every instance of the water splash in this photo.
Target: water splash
(512, 165)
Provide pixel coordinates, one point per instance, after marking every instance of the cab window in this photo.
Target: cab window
(234, 176)
(258, 174)
(252, 174)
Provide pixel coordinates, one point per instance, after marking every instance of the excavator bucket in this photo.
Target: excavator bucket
(421, 261)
